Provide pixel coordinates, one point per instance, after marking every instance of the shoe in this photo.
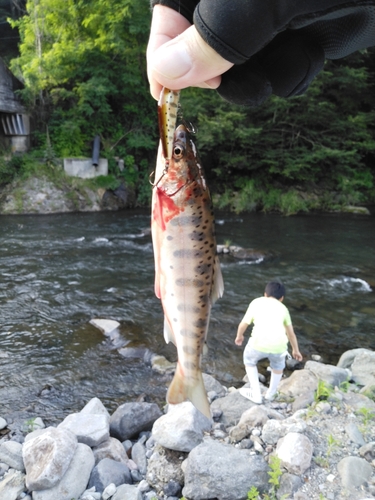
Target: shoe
(248, 394)
(270, 396)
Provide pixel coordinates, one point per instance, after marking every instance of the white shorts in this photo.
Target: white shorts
(252, 356)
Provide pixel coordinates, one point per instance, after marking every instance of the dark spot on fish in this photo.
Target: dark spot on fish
(174, 319)
(188, 282)
(200, 323)
(169, 237)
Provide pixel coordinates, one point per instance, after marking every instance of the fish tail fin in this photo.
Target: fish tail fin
(179, 392)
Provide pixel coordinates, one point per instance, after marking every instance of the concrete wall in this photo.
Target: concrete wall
(77, 167)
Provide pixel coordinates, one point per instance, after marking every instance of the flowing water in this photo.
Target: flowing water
(58, 272)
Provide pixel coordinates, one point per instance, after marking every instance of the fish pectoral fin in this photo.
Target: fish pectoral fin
(218, 283)
(179, 391)
(168, 332)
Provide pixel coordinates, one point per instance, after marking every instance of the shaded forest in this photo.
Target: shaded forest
(83, 66)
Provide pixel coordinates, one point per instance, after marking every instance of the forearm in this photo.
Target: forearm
(292, 338)
(242, 327)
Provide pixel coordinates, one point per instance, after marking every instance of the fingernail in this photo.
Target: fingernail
(172, 62)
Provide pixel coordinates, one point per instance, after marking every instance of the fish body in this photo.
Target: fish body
(188, 278)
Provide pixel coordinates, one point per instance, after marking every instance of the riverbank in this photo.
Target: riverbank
(53, 192)
(317, 439)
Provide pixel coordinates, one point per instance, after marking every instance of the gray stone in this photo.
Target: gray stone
(215, 470)
(163, 466)
(11, 454)
(347, 358)
(132, 418)
(211, 384)
(330, 374)
(47, 457)
(295, 451)
(127, 492)
(354, 434)
(111, 448)
(109, 491)
(95, 407)
(303, 400)
(139, 457)
(368, 451)
(74, 481)
(109, 471)
(358, 401)
(363, 368)
(172, 489)
(182, 428)
(272, 431)
(289, 484)
(299, 383)
(90, 429)
(354, 471)
(3, 423)
(254, 417)
(12, 485)
(231, 407)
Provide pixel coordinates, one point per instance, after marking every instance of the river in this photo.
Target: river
(59, 271)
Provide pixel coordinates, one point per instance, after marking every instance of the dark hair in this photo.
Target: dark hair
(275, 289)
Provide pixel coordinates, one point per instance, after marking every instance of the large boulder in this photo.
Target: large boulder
(295, 451)
(132, 418)
(231, 407)
(330, 374)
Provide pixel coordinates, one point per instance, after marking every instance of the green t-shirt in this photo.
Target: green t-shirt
(270, 317)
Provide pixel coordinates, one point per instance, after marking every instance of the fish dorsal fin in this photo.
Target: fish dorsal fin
(218, 284)
(168, 333)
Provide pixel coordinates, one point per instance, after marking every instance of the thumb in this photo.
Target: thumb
(186, 61)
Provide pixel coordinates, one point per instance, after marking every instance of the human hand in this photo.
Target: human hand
(238, 340)
(297, 355)
(177, 56)
(277, 48)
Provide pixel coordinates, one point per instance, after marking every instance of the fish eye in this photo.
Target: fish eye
(178, 152)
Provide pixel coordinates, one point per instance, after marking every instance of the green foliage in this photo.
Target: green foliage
(275, 473)
(323, 391)
(253, 494)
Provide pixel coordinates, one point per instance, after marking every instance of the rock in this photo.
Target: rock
(299, 383)
(161, 365)
(182, 428)
(330, 374)
(172, 489)
(303, 401)
(272, 431)
(211, 384)
(289, 484)
(139, 457)
(358, 401)
(47, 457)
(109, 491)
(106, 326)
(215, 470)
(95, 406)
(295, 451)
(12, 485)
(127, 492)
(164, 466)
(368, 451)
(11, 454)
(3, 423)
(111, 448)
(354, 434)
(90, 429)
(254, 416)
(347, 358)
(231, 407)
(74, 481)
(109, 471)
(363, 368)
(354, 471)
(132, 418)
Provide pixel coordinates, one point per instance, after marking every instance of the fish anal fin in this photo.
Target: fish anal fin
(168, 332)
(218, 282)
(179, 392)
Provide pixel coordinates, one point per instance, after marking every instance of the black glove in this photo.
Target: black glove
(277, 46)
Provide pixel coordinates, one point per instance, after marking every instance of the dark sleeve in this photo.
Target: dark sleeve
(184, 7)
(238, 29)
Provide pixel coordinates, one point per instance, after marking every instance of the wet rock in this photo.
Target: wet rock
(109, 471)
(139, 457)
(47, 457)
(12, 485)
(111, 448)
(106, 326)
(295, 451)
(161, 365)
(74, 481)
(354, 471)
(231, 407)
(330, 374)
(11, 454)
(132, 418)
(182, 428)
(90, 429)
(215, 470)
